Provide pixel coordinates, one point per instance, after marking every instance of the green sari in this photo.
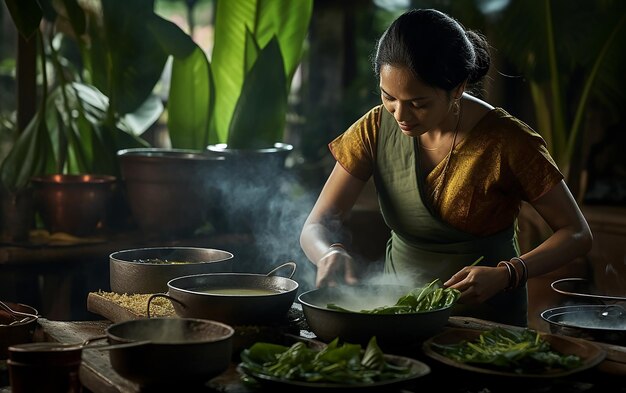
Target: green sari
(422, 247)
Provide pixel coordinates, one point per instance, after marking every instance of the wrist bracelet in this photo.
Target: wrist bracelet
(332, 249)
(524, 275)
(512, 274)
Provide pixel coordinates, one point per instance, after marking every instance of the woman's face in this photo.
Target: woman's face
(417, 107)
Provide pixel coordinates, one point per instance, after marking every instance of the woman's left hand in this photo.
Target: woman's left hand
(478, 283)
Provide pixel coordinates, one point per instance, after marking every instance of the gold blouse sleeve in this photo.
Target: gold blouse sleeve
(530, 162)
(355, 149)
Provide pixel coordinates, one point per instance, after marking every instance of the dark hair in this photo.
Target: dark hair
(435, 47)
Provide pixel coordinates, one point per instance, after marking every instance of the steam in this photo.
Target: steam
(269, 202)
(272, 203)
(365, 297)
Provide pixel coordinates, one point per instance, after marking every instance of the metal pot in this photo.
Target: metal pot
(137, 270)
(605, 323)
(170, 191)
(16, 329)
(355, 327)
(181, 351)
(244, 298)
(157, 352)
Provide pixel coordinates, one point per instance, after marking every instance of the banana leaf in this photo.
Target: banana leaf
(31, 154)
(191, 101)
(127, 59)
(259, 117)
(287, 20)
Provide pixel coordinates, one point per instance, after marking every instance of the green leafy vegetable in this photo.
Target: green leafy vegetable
(431, 297)
(336, 363)
(522, 351)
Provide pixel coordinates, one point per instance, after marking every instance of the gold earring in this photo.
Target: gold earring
(456, 107)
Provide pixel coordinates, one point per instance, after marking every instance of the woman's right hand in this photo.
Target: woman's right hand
(334, 268)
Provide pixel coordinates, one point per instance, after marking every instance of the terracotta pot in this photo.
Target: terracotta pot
(74, 204)
(35, 367)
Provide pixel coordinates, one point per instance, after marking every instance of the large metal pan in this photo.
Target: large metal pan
(391, 330)
(147, 270)
(605, 323)
(233, 298)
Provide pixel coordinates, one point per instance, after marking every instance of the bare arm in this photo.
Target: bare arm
(319, 231)
(571, 238)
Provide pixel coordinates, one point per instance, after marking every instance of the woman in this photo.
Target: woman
(450, 172)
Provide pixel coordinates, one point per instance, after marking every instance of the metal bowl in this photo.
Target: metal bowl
(18, 332)
(391, 330)
(234, 298)
(176, 351)
(170, 191)
(147, 270)
(596, 322)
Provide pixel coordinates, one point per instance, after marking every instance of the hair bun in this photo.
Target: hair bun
(483, 58)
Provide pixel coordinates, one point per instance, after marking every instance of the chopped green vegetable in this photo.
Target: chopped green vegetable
(521, 351)
(345, 363)
(428, 298)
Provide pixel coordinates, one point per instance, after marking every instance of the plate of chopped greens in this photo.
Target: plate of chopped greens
(335, 366)
(508, 352)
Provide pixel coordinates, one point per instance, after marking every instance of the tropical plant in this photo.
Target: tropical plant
(571, 53)
(240, 96)
(100, 103)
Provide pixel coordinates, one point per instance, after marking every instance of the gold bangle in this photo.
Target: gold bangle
(331, 250)
(340, 245)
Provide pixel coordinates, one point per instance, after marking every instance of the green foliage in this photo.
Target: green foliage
(569, 59)
(523, 351)
(257, 48)
(93, 108)
(336, 363)
(428, 298)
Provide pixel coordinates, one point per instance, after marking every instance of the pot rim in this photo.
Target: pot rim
(353, 312)
(223, 148)
(555, 285)
(84, 178)
(114, 256)
(229, 329)
(152, 153)
(217, 274)
(550, 313)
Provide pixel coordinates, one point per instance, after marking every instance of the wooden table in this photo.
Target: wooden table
(56, 278)
(98, 376)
